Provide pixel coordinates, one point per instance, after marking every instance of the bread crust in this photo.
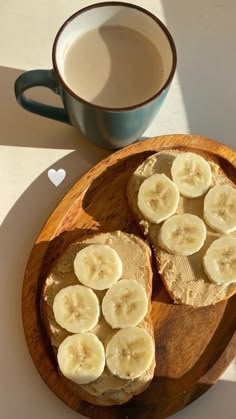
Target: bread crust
(107, 390)
(182, 276)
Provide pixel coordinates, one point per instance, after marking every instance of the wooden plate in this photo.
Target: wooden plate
(193, 346)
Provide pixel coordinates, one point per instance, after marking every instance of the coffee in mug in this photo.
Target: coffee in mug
(113, 66)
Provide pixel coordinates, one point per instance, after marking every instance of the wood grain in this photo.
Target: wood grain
(193, 346)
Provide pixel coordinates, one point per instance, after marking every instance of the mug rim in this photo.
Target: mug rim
(132, 6)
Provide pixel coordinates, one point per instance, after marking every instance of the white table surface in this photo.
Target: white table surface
(202, 100)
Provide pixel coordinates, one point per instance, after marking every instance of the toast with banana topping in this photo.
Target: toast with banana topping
(185, 206)
(96, 307)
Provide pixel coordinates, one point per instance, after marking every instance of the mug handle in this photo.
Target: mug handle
(44, 78)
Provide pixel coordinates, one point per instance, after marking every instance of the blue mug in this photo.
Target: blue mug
(106, 126)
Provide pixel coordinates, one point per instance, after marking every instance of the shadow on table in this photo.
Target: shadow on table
(18, 233)
(204, 33)
(25, 129)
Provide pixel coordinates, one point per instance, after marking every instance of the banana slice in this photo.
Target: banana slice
(98, 266)
(192, 174)
(158, 198)
(81, 358)
(182, 234)
(125, 304)
(220, 208)
(76, 308)
(130, 352)
(219, 261)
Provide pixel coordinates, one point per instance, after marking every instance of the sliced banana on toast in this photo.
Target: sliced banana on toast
(182, 234)
(158, 198)
(76, 308)
(192, 174)
(81, 358)
(220, 208)
(184, 276)
(98, 266)
(220, 261)
(130, 352)
(125, 304)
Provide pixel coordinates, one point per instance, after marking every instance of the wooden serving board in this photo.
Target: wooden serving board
(193, 346)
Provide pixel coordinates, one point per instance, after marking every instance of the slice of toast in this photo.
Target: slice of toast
(183, 276)
(136, 259)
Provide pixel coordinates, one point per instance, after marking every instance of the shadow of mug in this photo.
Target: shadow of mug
(106, 126)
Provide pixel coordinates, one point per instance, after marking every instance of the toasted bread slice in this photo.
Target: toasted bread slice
(183, 276)
(135, 255)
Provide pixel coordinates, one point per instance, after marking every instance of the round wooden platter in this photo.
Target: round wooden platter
(193, 346)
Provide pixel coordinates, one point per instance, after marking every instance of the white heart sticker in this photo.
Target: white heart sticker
(56, 176)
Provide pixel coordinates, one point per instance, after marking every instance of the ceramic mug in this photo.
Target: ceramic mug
(107, 127)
